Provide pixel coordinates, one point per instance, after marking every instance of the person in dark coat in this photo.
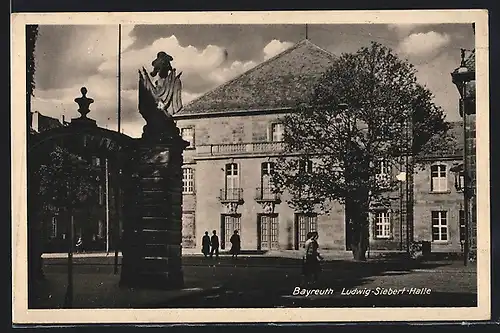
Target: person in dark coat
(214, 242)
(312, 267)
(205, 244)
(235, 244)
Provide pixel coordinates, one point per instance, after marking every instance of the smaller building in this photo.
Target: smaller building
(96, 223)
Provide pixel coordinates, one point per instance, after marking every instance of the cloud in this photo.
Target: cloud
(274, 47)
(67, 55)
(224, 74)
(423, 44)
(403, 29)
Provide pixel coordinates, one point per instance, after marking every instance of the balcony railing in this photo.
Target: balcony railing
(239, 148)
(266, 194)
(231, 195)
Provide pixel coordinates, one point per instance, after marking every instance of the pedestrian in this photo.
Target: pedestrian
(205, 244)
(214, 243)
(311, 264)
(79, 244)
(235, 244)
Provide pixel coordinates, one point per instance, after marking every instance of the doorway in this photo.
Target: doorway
(229, 223)
(268, 227)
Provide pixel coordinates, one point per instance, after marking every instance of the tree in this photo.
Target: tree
(31, 37)
(368, 109)
(67, 181)
(58, 180)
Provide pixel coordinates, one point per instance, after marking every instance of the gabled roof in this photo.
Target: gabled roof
(450, 145)
(280, 82)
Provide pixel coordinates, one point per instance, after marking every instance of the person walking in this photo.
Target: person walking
(312, 267)
(214, 242)
(79, 245)
(205, 244)
(235, 244)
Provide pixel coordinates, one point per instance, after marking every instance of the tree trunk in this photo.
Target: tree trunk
(358, 213)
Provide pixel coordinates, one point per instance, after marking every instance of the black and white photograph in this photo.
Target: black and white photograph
(279, 165)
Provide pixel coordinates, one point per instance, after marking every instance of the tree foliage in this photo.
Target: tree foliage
(66, 180)
(367, 108)
(31, 37)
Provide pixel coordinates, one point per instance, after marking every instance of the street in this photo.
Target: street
(261, 281)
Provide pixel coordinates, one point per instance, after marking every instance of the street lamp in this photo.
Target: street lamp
(462, 77)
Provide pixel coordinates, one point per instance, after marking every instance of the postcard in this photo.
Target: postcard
(291, 166)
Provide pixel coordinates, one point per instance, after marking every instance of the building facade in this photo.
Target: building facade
(97, 224)
(235, 138)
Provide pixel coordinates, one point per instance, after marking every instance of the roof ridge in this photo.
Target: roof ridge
(319, 48)
(251, 70)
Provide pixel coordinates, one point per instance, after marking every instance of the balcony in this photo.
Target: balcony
(266, 194)
(227, 195)
(239, 149)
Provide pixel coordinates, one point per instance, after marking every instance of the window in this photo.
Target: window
(383, 173)
(188, 135)
(439, 226)
(100, 229)
(306, 166)
(462, 224)
(461, 181)
(96, 161)
(53, 230)
(267, 169)
(305, 223)
(383, 167)
(438, 178)
(187, 180)
(100, 195)
(382, 224)
(277, 131)
(232, 181)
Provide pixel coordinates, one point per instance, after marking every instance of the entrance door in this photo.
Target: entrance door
(268, 232)
(229, 223)
(304, 223)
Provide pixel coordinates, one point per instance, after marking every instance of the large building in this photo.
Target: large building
(235, 138)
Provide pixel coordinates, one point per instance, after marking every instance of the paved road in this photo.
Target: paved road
(271, 282)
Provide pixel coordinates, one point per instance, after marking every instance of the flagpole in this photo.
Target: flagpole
(119, 75)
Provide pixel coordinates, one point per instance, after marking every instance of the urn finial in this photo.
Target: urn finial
(84, 103)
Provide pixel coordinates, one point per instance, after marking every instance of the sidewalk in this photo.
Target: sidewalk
(98, 290)
(294, 254)
(388, 257)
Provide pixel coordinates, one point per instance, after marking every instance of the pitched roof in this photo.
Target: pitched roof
(43, 123)
(449, 145)
(280, 82)
(470, 62)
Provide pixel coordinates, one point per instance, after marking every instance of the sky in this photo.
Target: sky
(70, 57)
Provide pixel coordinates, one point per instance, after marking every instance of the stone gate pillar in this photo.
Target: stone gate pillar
(153, 207)
(152, 238)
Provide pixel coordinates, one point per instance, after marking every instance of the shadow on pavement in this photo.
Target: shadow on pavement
(260, 282)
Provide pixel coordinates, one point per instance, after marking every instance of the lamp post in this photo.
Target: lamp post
(460, 77)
